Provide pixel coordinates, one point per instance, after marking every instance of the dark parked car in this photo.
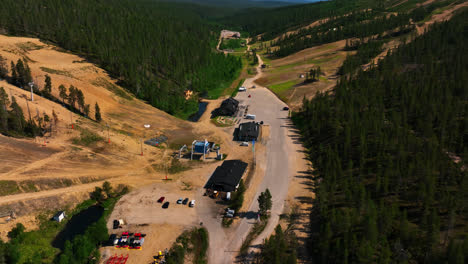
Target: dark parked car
(116, 224)
(185, 201)
(165, 205)
(112, 239)
(285, 108)
(161, 199)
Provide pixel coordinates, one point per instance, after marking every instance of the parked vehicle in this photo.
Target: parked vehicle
(245, 144)
(250, 116)
(228, 196)
(160, 200)
(115, 224)
(285, 108)
(249, 96)
(123, 241)
(112, 240)
(137, 241)
(242, 89)
(192, 203)
(179, 201)
(165, 205)
(253, 86)
(185, 201)
(229, 215)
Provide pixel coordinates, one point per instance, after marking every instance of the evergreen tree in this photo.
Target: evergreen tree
(3, 68)
(17, 118)
(48, 85)
(72, 96)
(97, 113)
(63, 93)
(264, 201)
(86, 110)
(14, 74)
(4, 102)
(80, 99)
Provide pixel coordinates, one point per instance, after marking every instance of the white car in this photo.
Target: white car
(250, 116)
(179, 201)
(242, 89)
(192, 203)
(245, 144)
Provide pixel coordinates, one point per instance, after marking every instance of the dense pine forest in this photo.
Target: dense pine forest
(389, 152)
(156, 50)
(272, 22)
(357, 24)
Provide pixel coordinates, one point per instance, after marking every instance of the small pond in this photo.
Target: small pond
(201, 109)
(78, 225)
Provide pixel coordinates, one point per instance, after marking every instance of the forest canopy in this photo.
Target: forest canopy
(156, 50)
(389, 148)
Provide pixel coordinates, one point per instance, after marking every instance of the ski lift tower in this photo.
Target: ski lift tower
(200, 147)
(31, 84)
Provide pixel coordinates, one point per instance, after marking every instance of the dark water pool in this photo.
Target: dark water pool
(201, 109)
(78, 225)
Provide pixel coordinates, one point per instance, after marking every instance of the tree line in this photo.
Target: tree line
(274, 21)
(21, 76)
(389, 152)
(156, 50)
(358, 24)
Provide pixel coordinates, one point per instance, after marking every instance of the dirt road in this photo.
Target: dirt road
(279, 167)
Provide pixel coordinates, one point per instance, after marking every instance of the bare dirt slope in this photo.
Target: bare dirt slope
(53, 166)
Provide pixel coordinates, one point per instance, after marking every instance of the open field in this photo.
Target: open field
(283, 76)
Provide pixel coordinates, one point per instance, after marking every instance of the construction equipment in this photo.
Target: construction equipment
(138, 241)
(123, 241)
(159, 258)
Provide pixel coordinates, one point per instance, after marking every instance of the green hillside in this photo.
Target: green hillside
(156, 50)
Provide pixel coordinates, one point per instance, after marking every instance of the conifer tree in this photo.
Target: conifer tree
(4, 101)
(3, 68)
(63, 93)
(14, 74)
(48, 85)
(17, 117)
(80, 99)
(97, 113)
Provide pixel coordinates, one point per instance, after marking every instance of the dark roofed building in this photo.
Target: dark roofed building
(227, 176)
(228, 107)
(248, 131)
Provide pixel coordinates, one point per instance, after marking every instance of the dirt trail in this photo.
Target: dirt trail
(444, 16)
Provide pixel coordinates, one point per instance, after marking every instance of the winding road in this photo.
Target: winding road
(279, 168)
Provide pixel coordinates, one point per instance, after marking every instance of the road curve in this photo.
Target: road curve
(280, 162)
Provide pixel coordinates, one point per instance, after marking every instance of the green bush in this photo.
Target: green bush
(86, 138)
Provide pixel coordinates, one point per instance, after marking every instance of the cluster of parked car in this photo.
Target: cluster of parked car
(128, 240)
(179, 201)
